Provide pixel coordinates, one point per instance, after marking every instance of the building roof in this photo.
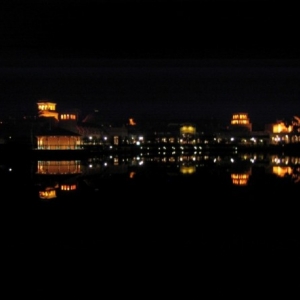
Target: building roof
(57, 131)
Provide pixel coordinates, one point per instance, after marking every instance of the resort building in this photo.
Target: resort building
(58, 139)
(240, 122)
(283, 132)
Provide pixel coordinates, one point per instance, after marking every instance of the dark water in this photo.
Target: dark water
(180, 210)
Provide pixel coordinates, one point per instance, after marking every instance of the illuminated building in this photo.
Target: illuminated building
(187, 134)
(68, 120)
(240, 122)
(47, 109)
(284, 133)
(58, 139)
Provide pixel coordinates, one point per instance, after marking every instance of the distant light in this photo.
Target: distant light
(10, 169)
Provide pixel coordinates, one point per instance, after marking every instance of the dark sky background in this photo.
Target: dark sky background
(179, 59)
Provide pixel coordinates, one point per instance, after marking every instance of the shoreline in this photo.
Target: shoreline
(17, 152)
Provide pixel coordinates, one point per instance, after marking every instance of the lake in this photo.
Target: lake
(208, 205)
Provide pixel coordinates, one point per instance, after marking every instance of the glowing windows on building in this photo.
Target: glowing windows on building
(46, 106)
(68, 117)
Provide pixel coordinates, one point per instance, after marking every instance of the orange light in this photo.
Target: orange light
(131, 122)
(282, 171)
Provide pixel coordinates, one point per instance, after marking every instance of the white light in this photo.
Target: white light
(232, 139)
(232, 160)
(90, 137)
(10, 169)
(90, 166)
(105, 164)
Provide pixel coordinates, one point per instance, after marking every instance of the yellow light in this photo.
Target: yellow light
(187, 169)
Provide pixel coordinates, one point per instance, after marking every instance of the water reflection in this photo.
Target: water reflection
(48, 193)
(286, 167)
(60, 167)
(240, 178)
(54, 179)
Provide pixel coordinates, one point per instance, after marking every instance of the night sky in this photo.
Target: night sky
(177, 59)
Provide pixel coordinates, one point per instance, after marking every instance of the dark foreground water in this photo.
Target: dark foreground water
(206, 202)
(185, 210)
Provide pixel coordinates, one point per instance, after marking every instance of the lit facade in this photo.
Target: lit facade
(58, 139)
(47, 109)
(282, 133)
(48, 142)
(240, 121)
(187, 134)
